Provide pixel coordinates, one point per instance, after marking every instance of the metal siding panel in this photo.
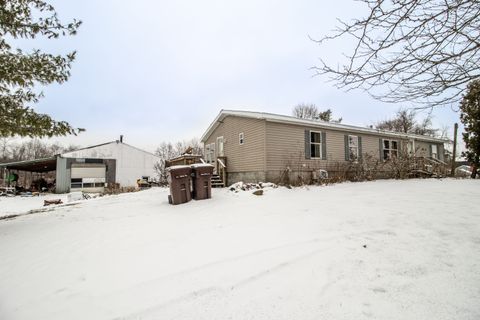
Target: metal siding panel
(62, 176)
(131, 163)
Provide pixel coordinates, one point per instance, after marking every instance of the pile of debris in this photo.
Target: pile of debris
(257, 188)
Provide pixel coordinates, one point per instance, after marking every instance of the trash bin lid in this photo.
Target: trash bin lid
(202, 167)
(180, 169)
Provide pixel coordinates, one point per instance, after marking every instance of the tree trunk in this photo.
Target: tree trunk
(474, 171)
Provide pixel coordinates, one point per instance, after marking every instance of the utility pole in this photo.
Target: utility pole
(455, 129)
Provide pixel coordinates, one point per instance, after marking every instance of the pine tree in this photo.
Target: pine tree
(20, 70)
(470, 117)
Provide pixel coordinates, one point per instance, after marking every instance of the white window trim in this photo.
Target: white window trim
(319, 143)
(352, 146)
(241, 138)
(390, 149)
(223, 146)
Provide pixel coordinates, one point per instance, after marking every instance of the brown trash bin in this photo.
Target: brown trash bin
(179, 181)
(202, 181)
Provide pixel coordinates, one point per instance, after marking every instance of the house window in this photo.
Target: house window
(353, 147)
(390, 149)
(240, 138)
(434, 151)
(315, 144)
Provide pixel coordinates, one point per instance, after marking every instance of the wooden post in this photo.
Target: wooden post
(455, 129)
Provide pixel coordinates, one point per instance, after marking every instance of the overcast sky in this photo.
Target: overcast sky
(161, 70)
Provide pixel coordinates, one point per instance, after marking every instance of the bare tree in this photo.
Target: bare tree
(30, 149)
(405, 121)
(4, 149)
(305, 111)
(423, 51)
(167, 150)
(310, 111)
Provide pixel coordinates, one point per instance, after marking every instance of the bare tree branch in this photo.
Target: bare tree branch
(421, 51)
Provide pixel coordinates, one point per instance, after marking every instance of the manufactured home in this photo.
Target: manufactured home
(90, 169)
(257, 146)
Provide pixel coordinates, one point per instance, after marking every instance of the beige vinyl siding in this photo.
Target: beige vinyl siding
(286, 146)
(441, 152)
(250, 156)
(422, 149)
(371, 145)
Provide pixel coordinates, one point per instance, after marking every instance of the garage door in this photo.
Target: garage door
(88, 177)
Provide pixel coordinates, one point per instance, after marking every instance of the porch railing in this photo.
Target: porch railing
(222, 169)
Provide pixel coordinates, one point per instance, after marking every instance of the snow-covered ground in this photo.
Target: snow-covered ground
(21, 205)
(374, 250)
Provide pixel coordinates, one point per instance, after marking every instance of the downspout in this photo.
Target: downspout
(265, 149)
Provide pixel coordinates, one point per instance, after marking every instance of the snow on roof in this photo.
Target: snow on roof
(310, 123)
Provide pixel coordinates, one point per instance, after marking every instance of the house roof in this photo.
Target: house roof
(311, 123)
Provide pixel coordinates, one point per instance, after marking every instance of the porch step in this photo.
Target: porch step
(217, 181)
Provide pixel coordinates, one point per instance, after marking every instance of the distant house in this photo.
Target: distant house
(91, 169)
(257, 146)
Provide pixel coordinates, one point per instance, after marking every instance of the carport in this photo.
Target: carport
(28, 171)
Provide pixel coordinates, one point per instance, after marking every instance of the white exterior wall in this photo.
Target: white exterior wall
(131, 163)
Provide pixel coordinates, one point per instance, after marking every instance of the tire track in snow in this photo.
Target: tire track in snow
(259, 252)
(224, 290)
